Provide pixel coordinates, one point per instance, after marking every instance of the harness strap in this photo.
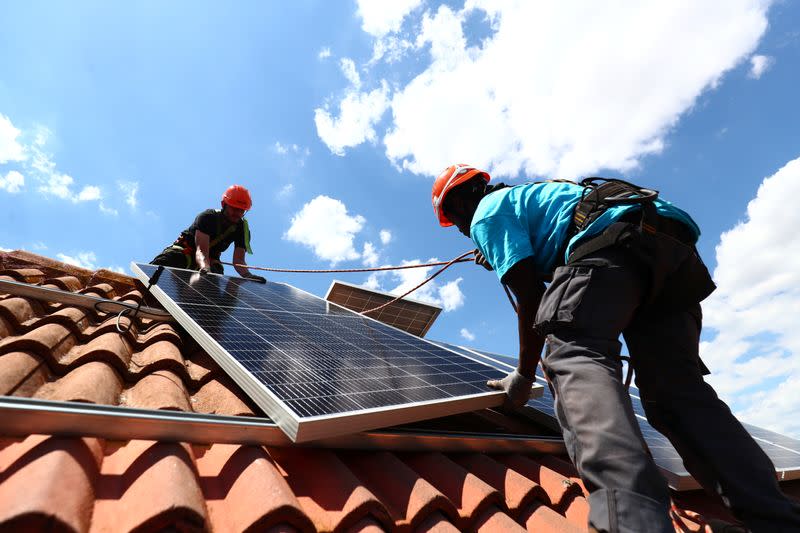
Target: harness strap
(221, 236)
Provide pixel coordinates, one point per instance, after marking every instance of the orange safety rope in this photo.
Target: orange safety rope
(447, 264)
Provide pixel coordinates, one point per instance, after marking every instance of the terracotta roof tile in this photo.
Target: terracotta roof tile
(408, 498)
(436, 523)
(18, 310)
(112, 348)
(160, 390)
(542, 518)
(493, 519)
(148, 485)
(22, 374)
(519, 491)
(26, 275)
(65, 283)
(556, 486)
(245, 491)
(162, 354)
(218, 398)
(333, 498)
(51, 341)
(464, 489)
(48, 481)
(94, 382)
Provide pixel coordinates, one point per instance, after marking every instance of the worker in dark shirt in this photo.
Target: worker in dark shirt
(619, 260)
(200, 246)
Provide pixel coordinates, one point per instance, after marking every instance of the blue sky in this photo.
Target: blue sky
(119, 123)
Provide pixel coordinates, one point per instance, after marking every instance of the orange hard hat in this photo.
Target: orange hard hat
(452, 176)
(237, 196)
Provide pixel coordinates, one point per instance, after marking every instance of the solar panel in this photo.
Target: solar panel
(783, 451)
(318, 369)
(407, 314)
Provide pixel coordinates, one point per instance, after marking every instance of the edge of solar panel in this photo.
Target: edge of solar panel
(312, 428)
(433, 310)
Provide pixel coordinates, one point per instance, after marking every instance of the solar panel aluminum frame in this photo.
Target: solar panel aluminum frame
(304, 429)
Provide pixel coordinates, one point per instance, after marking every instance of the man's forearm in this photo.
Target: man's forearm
(530, 343)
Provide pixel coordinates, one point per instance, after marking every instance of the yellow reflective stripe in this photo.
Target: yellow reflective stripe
(247, 237)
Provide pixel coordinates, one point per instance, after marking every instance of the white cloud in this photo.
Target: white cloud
(38, 245)
(541, 92)
(373, 282)
(87, 260)
(4, 249)
(386, 236)
(286, 190)
(390, 49)
(349, 70)
(324, 53)
(369, 256)
(759, 64)
(107, 210)
(300, 152)
(324, 225)
(130, 189)
(10, 147)
(467, 334)
(448, 296)
(12, 182)
(380, 17)
(755, 354)
(358, 114)
(281, 149)
(89, 193)
(118, 269)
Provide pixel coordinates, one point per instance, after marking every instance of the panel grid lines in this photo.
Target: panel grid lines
(316, 358)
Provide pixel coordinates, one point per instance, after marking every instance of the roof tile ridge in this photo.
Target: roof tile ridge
(65, 283)
(103, 290)
(65, 470)
(408, 497)
(456, 483)
(556, 486)
(245, 489)
(52, 341)
(111, 347)
(493, 518)
(25, 275)
(148, 486)
(72, 318)
(161, 390)
(518, 490)
(95, 382)
(22, 374)
(335, 499)
(539, 517)
(18, 310)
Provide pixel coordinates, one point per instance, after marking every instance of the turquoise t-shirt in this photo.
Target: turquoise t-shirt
(532, 220)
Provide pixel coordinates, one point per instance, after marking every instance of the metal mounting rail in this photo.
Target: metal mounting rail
(49, 294)
(20, 417)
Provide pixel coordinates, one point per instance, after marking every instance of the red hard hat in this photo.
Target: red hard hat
(237, 196)
(451, 176)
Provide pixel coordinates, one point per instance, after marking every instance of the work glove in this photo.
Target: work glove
(481, 260)
(516, 386)
(257, 278)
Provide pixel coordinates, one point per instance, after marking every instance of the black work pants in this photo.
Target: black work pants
(175, 258)
(584, 310)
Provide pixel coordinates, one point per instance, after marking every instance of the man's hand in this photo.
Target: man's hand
(516, 386)
(256, 278)
(202, 271)
(480, 260)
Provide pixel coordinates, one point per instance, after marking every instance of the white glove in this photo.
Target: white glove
(516, 386)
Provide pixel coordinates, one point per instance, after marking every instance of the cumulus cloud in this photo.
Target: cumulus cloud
(358, 114)
(12, 182)
(755, 352)
(324, 226)
(541, 92)
(299, 152)
(467, 334)
(87, 260)
(369, 256)
(324, 53)
(10, 147)
(379, 17)
(130, 189)
(448, 295)
(759, 64)
(386, 236)
(286, 191)
(350, 72)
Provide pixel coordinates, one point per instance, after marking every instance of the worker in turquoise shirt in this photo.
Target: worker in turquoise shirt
(619, 261)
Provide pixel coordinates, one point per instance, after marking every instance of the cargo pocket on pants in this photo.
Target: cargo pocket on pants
(562, 299)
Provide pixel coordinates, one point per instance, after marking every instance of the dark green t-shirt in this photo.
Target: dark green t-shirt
(214, 224)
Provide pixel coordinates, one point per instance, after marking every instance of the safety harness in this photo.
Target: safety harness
(599, 194)
(182, 245)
